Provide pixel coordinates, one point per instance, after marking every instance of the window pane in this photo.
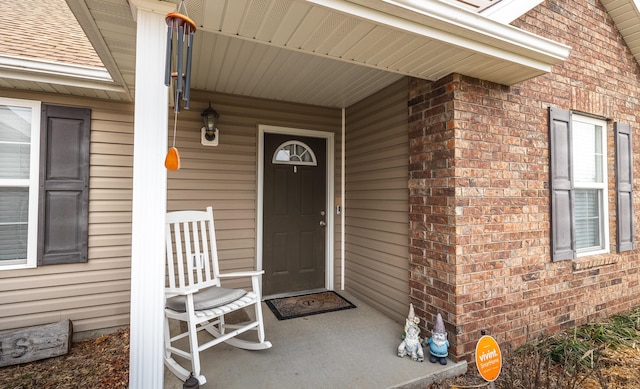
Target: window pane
(15, 124)
(587, 152)
(587, 214)
(14, 160)
(282, 155)
(13, 242)
(15, 138)
(14, 211)
(14, 205)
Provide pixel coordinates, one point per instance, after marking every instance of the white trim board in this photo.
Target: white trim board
(330, 239)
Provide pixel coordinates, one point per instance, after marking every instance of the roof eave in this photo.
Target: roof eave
(459, 27)
(88, 24)
(57, 73)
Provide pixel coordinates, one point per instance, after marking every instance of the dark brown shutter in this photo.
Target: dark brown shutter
(63, 207)
(624, 187)
(563, 242)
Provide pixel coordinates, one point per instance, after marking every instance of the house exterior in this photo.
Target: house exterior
(488, 179)
(484, 246)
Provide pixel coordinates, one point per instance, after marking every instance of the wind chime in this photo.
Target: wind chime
(181, 28)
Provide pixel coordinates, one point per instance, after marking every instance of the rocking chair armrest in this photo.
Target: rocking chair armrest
(253, 273)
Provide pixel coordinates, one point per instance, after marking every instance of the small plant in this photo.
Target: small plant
(526, 368)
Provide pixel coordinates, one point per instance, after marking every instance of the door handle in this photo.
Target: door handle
(323, 223)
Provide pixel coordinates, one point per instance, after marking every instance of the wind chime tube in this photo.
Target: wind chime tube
(179, 60)
(181, 25)
(167, 59)
(184, 29)
(187, 77)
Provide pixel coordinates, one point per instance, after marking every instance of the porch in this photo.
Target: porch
(354, 348)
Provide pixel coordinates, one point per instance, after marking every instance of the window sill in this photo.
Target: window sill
(599, 260)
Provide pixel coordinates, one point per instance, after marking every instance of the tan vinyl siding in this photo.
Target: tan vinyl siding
(94, 295)
(225, 176)
(377, 149)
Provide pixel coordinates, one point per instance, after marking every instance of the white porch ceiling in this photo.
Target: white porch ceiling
(321, 52)
(335, 53)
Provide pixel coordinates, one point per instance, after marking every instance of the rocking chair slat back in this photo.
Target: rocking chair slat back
(171, 261)
(194, 260)
(190, 256)
(209, 252)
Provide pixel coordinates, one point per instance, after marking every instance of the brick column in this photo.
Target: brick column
(478, 210)
(432, 202)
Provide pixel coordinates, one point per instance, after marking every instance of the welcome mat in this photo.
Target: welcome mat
(307, 304)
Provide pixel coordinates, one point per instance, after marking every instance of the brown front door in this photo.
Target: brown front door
(294, 214)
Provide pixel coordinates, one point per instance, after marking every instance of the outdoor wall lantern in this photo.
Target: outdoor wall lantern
(209, 132)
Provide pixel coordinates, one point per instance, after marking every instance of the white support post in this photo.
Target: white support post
(149, 203)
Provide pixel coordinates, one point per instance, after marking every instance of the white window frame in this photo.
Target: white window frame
(32, 183)
(602, 186)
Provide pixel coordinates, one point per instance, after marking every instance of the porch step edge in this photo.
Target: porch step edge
(450, 370)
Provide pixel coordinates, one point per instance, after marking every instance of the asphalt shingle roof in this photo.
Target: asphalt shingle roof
(44, 30)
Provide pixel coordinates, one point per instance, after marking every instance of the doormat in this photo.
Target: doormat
(307, 304)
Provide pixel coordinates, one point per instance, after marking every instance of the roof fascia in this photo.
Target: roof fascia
(506, 11)
(57, 73)
(447, 23)
(91, 30)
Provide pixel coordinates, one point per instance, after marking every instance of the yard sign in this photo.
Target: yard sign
(488, 358)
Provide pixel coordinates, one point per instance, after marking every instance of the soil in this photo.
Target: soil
(101, 363)
(104, 363)
(618, 369)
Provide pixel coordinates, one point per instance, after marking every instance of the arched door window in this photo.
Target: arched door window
(294, 152)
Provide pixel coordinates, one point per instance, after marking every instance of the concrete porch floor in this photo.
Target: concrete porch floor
(354, 348)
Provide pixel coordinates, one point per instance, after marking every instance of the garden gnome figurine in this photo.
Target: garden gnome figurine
(438, 343)
(411, 345)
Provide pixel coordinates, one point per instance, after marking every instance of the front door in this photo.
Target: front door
(294, 213)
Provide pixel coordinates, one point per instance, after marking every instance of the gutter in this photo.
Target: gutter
(57, 73)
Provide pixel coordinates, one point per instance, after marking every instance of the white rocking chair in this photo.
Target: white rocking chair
(194, 294)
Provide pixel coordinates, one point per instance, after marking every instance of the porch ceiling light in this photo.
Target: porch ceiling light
(210, 119)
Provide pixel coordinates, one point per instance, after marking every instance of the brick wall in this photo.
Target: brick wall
(479, 190)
